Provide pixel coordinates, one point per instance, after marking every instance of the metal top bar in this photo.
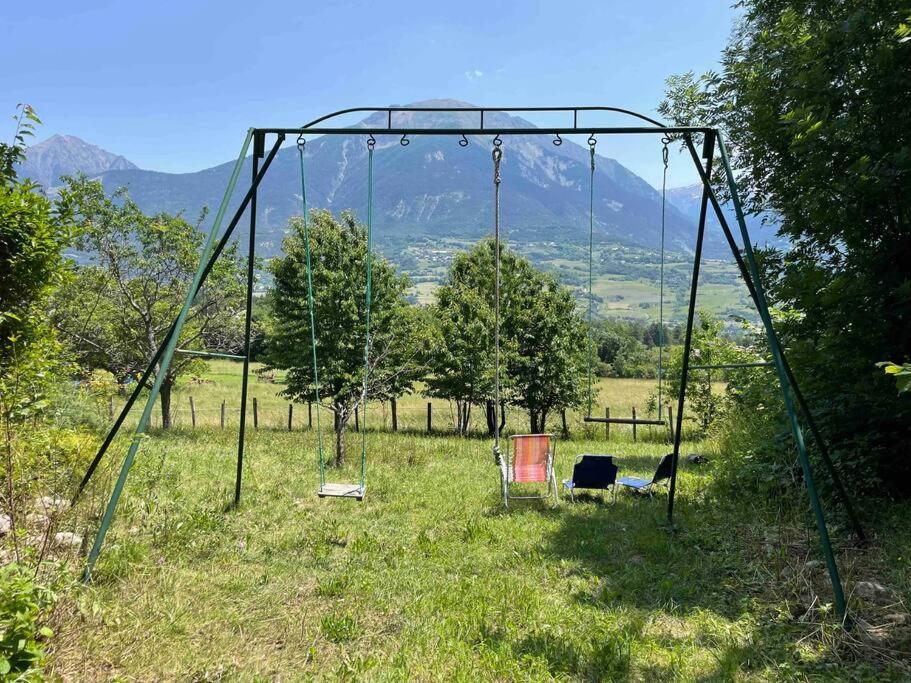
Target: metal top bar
(581, 130)
(481, 111)
(314, 128)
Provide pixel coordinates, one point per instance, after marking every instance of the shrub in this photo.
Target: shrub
(24, 610)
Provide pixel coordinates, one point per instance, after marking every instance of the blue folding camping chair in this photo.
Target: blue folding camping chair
(593, 472)
(662, 476)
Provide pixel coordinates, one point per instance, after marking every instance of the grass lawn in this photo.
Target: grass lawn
(430, 579)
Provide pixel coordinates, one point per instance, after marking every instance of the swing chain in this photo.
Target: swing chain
(666, 140)
(371, 142)
(497, 155)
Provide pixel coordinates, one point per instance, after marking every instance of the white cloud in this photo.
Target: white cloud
(474, 74)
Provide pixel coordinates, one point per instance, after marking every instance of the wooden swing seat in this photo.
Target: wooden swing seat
(342, 491)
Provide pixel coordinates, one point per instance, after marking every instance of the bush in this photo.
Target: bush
(24, 610)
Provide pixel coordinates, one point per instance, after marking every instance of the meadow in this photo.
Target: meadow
(430, 578)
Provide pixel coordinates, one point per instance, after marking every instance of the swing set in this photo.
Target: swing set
(640, 125)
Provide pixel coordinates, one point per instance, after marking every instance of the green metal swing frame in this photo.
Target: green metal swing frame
(743, 253)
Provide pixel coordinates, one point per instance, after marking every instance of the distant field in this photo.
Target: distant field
(626, 280)
(221, 383)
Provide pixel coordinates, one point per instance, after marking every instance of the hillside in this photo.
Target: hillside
(762, 229)
(434, 198)
(434, 187)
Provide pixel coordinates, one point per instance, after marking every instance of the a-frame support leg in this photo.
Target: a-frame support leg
(251, 253)
(840, 489)
(785, 377)
(168, 353)
(708, 153)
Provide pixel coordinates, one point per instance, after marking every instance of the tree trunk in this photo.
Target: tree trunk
(491, 417)
(542, 421)
(463, 417)
(165, 394)
(533, 416)
(341, 421)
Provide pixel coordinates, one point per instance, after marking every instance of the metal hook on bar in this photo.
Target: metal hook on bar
(665, 140)
(592, 141)
(301, 142)
(404, 142)
(371, 142)
(464, 141)
(497, 141)
(558, 140)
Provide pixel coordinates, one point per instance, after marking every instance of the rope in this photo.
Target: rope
(591, 243)
(371, 143)
(664, 158)
(497, 155)
(319, 432)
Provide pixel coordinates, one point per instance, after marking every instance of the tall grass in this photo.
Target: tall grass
(430, 578)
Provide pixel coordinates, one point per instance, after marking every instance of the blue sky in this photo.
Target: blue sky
(173, 85)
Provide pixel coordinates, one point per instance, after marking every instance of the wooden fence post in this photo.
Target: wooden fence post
(222, 414)
(607, 424)
(634, 424)
(565, 427)
(395, 414)
(290, 414)
(309, 414)
(255, 415)
(192, 412)
(670, 421)
(357, 421)
(429, 417)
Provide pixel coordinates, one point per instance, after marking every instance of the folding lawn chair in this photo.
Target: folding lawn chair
(529, 460)
(593, 472)
(662, 475)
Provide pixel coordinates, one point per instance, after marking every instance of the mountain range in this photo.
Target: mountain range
(431, 188)
(62, 155)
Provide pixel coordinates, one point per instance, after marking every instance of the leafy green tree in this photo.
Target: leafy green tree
(32, 237)
(814, 100)
(542, 338)
(547, 363)
(710, 347)
(123, 302)
(462, 355)
(397, 339)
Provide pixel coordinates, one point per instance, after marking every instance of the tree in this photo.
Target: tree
(542, 338)
(123, 302)
(462, 355)
(32, 237)
(547, 364)
(397, 340)
(709, 347)
(814, 100)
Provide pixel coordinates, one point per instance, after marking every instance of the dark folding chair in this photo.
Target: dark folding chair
(593, 472)
(662, 475)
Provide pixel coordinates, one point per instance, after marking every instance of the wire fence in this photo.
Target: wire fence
(429, 417)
